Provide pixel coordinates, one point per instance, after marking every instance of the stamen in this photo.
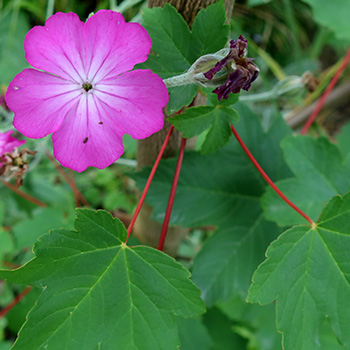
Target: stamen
(87, 87)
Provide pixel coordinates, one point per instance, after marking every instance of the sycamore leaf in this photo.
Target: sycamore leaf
(220, 189)
(223, 189)
(321, 173)
(308, 274)
(224, 266)
(197, 119)
(98, 293)
(176, 48)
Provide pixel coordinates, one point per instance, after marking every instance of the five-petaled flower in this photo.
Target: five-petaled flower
(241, 70)
(87, 95)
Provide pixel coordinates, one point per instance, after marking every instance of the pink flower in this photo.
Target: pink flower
(87, 96)
(8, 143)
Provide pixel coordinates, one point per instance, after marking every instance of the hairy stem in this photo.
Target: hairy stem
(268, 180)
(172, 195)
(148, 184)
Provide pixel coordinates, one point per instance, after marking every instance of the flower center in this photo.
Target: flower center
(87, 86)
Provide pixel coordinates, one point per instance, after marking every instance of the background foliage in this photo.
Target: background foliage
(90, 289)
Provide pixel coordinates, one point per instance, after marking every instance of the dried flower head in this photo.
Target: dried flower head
(86, 93)
(241, 71)
(13, 162)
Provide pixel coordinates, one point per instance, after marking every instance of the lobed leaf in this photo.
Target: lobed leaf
(307, 273)
(195, 120)
(223, 189)
(99, 293)
(321, 173)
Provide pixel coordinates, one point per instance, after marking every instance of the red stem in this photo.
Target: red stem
(268, 180)
(15, 301)
(172, 196)
(323, 98)
(148, 184)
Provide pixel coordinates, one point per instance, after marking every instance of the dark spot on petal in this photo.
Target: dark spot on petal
(100, 123)
(85, 140)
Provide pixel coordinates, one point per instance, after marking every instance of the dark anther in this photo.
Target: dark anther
(100, 123)
(87, 87)
(85, 140)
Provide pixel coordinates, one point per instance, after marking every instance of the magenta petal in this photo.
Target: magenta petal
(87, 137)
(113, 46)
(136, 100)
(57, 47)
(40, 101)
(9, 143)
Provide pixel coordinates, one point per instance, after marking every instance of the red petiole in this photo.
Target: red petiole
(148, 184)
(323, 98)
(268, 180)
(172, 195)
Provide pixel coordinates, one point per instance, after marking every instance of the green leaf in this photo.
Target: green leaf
(321, 173)
(193, 335)
(13, 29)
(221, 331)
(327, 13)
(27, 232)
(176, 48)
(99, 293)
(180, 96)
(307, 273)
(209, 31)
(6, 245)
(171, 40)
(221, 189)
(197, 119)
(224, 266)
(255, 322)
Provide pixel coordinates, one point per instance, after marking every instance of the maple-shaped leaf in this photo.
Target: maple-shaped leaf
(98, 293)
(321, 172)
(223, 189)
(307, 273)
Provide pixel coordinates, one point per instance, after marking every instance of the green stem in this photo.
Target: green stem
(178, 80)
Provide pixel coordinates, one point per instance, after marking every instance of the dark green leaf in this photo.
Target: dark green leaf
(256, 323)
(221, 331)
(321, 173)
(99, 293)
(176, 48)
(193, 335)
(224, 188)
(307, 273)
(180, 96)
(209, 31)
(197, 119)
(225, 265)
